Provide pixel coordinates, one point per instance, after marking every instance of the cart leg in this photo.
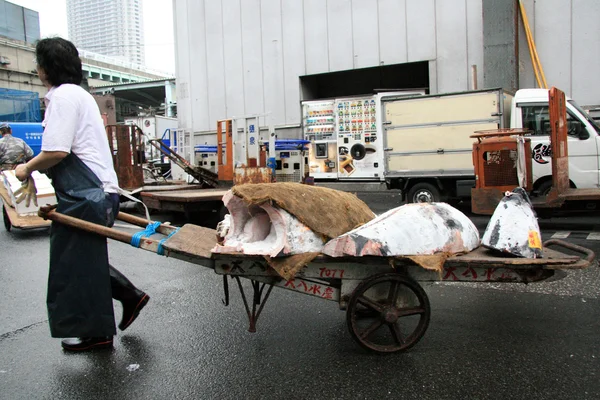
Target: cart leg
(7, 223)
(257, 289)
(388, 312)
(225, 291)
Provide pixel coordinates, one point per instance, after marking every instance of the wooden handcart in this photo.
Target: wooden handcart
(387, 309)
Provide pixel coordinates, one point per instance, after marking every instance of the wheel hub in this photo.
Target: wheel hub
(423, 197)
(390, 315)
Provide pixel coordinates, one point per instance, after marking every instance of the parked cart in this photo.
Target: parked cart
(387, 310)
(13, 219)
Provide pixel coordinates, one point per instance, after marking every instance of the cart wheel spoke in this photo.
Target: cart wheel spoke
(405, 312)
(396, 333)
(365, 301)
(393, 295)
(372, 328)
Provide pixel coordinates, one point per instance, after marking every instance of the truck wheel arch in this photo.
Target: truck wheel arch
(543, 185)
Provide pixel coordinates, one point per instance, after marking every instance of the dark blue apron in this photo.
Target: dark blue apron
(79, 287)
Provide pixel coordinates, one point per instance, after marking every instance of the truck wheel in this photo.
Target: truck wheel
(423, 193)
(7, 224)
(544, 188)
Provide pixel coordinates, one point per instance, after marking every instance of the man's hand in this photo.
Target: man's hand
(27, 192)
(22, 172)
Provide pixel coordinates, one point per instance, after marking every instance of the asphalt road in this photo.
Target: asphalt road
(485, 341)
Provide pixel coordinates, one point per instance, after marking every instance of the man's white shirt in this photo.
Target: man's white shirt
(73, 124)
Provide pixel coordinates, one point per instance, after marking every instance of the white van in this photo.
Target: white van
(530, 111)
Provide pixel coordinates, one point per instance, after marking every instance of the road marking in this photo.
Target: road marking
(561, 235)
(593, 236)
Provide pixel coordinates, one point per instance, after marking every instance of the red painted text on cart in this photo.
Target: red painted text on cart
(331, 273)
(325, 292)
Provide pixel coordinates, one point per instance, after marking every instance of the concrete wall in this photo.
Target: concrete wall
(245, 57)
(21, 73)
(242, 57)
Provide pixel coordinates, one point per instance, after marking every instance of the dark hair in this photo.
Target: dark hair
(60, 61)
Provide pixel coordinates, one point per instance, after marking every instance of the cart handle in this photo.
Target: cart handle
(165, 229)
(581, 264)
(111, 233)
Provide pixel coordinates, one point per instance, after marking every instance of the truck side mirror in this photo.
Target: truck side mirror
(576, 129)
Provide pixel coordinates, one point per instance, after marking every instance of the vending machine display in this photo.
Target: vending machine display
(318, 120)
(320, 130)
(359, 147)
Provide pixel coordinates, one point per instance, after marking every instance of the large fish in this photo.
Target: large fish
(266, 230)
(513, 228)
(410, 230)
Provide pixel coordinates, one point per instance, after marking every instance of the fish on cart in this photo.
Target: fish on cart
(513, 228)
(411, 229)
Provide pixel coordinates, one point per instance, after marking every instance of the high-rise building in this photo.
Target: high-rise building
(111, 27)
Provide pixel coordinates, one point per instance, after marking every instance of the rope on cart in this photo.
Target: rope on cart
(149, 231)
(161, 251)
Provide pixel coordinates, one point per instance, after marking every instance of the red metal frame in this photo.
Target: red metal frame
(126, 145)
(225, 141)
(495, 170)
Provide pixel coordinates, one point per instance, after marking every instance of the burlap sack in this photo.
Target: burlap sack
(327, 212)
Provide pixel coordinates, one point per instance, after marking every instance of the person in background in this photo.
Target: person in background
(76, 155)
(13, 150)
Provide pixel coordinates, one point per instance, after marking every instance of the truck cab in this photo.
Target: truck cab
(530, 111)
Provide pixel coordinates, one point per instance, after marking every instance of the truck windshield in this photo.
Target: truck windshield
(586, 116)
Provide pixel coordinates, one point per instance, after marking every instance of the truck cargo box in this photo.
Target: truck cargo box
(429, 135)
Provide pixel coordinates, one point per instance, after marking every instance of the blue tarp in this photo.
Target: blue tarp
(30, 132)
(19, 106)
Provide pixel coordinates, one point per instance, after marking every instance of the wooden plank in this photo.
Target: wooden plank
(187, 196)
(482, 257)
(168, 188)
(192, 240)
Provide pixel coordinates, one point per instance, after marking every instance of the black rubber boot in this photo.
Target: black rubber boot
(132, 298)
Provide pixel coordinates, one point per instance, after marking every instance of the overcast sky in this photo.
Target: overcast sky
(158, 28)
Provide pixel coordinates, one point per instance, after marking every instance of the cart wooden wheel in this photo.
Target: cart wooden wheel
(388, 312)
(7, 224)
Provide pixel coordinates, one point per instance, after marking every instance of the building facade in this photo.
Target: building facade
(237, 58)
(110, 27)
(19, 23)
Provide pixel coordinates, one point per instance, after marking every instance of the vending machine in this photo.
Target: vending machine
(205, 156)
(318, 122)
(346, 137)
(359, 148)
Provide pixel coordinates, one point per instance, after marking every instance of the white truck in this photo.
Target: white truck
(427, 149)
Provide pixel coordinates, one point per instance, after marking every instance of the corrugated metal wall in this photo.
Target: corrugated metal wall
(241, 57)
